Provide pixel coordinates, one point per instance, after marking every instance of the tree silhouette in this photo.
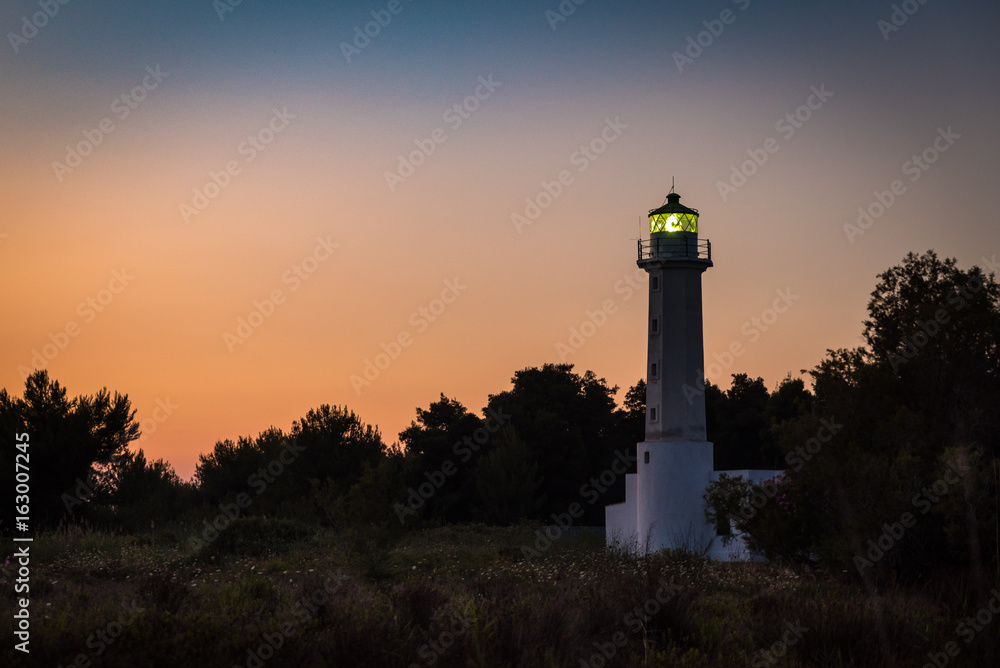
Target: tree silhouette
(741, 420)
(73, 443)
(143, 493)
(568, 423)
(443, 438)
(507, 480)
(898, 416)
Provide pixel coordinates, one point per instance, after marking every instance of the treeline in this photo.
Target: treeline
(551, 440)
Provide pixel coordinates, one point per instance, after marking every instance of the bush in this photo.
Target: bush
(254, 536)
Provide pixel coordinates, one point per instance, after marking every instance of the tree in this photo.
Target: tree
(568, 423)
(634, 405)
(741, 421)
(329, 448)
(229, 469)
(507, 480)
(443, 438)
(899, 416)
(143, 492)
(740, 438)
(73, 443)
(631, 417)
(935, 329)
(789, 400)
(372, 498)
(335, 445)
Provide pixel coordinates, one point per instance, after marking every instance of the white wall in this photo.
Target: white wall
(670, 510)
(619, 519)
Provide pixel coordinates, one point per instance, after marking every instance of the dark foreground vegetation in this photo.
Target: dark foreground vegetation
(277, 593)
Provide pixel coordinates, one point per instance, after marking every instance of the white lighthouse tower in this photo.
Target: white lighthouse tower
(664, 507)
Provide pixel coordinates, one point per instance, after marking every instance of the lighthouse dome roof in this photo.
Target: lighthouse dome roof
(673, 205)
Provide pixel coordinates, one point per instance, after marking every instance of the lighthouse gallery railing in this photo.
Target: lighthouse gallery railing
(682, 247)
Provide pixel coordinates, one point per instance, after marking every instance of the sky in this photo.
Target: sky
(234, 212)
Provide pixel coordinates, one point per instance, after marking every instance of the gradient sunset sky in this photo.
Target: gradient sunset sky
(115, 244)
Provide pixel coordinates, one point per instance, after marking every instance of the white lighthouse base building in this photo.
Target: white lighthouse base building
(664, 506)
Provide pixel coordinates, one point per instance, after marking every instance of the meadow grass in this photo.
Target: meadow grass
(277, 593)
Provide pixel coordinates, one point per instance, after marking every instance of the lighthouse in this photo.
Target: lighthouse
(664, 506)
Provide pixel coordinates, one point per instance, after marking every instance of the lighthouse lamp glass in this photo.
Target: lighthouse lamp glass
(673, 222)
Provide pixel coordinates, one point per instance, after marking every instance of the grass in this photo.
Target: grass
(271, 592)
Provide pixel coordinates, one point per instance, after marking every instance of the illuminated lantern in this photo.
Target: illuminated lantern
(673, 217)
(673, 231)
